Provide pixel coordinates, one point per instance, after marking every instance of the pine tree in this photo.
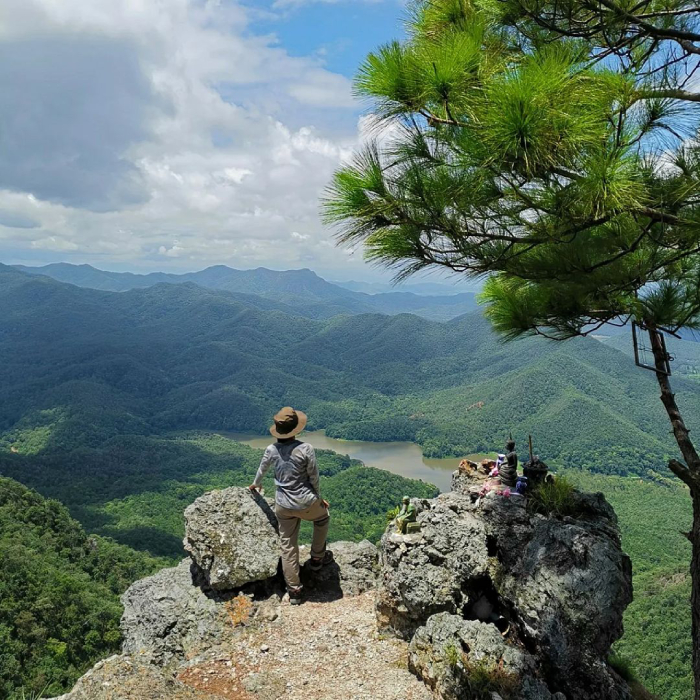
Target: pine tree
(548, 147)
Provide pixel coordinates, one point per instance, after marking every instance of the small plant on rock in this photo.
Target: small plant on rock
(623, 667)
(485, 679)
(392, 513)
(31, 694)
(452, 655)
(556, 496)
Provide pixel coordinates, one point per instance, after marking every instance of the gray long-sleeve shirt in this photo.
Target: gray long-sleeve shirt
(296, 474)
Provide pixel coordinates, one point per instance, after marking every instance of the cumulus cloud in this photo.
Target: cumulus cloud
(64, 128)
(14, 220)
(164, 135)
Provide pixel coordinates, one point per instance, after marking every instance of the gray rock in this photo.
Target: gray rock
(569, 582)
(166, 616)
(355, 569)
(428, 576)
(232, 537)
(473, 641)
(128, 678)
(461, 659)
(558, 585)
(271, 614)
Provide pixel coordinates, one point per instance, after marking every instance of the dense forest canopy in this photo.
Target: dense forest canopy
(59, 593)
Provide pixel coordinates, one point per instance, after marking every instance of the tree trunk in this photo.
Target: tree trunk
(695, 591)
(689, 473)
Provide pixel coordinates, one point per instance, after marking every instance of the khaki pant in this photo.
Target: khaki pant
(289, 522)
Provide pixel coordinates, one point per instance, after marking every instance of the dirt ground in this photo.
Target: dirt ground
(326, 650)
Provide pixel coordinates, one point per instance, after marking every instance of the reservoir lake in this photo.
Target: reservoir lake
(403, 458)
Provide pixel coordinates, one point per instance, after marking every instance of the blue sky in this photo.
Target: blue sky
(340, 33)
(175, 134)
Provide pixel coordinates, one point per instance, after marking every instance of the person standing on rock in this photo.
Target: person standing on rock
(297, 496)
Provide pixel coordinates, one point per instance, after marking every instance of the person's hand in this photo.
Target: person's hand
(326, 504)
(254, 488)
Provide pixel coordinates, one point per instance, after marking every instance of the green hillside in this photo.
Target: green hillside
(110, 400)
(59, 593)
(135, 488)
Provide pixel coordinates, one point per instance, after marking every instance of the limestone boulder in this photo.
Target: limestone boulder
(460, 659)
(426, 574)
(167, 616)
(129, 678)
(232, 537)
(554, 586)
(355, 569)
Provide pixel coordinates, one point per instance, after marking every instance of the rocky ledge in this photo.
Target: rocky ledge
(489, 600)
(526, 602)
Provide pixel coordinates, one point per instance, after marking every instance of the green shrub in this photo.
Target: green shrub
(452, 655)
(622, 666)
(556, 496)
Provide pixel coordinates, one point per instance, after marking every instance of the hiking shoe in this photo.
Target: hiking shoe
(295, 595)
(317, 563)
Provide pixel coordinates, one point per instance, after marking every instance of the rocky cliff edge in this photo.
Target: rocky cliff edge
(489, 600)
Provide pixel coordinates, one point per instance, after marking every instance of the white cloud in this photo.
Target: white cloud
(148, 131)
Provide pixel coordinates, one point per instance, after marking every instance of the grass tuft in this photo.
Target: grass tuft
(484, 680)
(556, 496)
(622, 666)
(452, 655)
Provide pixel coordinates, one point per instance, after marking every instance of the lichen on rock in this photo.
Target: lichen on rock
(167, 616)
(127, 677)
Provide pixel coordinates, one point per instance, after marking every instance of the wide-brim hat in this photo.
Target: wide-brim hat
(288, 423)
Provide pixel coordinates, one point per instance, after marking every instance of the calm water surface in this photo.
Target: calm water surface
(403, 458)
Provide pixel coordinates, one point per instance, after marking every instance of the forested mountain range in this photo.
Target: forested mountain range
(180, 357)
(303, 290)
(447, 287)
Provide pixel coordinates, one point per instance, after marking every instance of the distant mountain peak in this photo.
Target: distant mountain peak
(302, 289)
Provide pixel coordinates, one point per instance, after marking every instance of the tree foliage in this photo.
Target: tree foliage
(59, 593)
(552, 147)
(549, 160)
